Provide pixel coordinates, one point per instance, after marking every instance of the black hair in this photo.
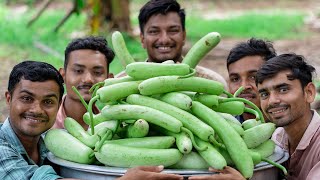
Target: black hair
(296, 63)
(252, 47)
(96, 43)
(154, 7)
(34, 71)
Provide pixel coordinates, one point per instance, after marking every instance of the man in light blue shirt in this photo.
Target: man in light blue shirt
(33, 97)
(15, 163)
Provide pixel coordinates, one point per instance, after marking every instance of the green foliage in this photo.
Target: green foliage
(17, 41)
(20, 40)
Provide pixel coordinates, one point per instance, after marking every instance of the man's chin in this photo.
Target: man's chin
(161, 60)
(165, 58)
(86, 97)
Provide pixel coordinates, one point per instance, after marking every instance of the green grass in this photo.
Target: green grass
(273, 26)
(18, 40)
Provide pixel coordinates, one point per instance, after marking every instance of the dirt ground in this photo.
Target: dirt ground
(216, 59)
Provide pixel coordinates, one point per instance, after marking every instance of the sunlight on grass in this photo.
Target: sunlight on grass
(17, 39)
(272, 26)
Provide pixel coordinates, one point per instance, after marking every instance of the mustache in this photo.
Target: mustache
(35, 115)
(276, 106)
(248, 92)
(85, 86)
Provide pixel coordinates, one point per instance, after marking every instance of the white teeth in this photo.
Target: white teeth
(164, 48)
(278, 111)
(33, 120)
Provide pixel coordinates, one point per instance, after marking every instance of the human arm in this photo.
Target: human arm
(148, 172)
(228, 173)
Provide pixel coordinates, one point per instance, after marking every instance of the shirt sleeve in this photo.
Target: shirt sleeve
(314, 174)
(14, 166)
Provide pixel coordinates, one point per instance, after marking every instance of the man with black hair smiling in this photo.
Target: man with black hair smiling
(34, 94)
(286, 91)
(243, 62)
(87, 62)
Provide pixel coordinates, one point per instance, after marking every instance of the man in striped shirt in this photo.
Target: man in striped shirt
(34, 94)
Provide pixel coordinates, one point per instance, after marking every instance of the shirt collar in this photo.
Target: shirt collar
(310, 131)
(13, 139)
(11, 136)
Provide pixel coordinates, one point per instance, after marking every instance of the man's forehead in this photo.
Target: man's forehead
(38, 87)
(172, 16)
(278, 79)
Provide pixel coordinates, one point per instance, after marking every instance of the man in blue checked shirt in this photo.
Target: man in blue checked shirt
(34, 94)
(33, 97)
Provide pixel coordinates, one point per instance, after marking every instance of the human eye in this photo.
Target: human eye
(174, 30)
(26, 99)
(263, 95)
(252, 77)
(234, 79)
(153, 31)
(98, 73)
(283, 89)
(49, 102)
(77, 70)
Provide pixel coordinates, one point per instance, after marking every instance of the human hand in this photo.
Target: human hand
(228, 173)
(149, 172)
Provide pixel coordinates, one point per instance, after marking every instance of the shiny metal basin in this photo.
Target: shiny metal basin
(262, 171)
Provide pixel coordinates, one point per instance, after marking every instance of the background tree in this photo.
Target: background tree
(103, 15)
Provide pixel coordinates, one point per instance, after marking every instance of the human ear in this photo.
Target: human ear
(184, 37)
(63, 73)
(142, 40)
(8, 97)
(310, 92)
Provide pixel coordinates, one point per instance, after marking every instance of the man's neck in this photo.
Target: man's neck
(175, 60)
(247, 116)
(30, 144)
(75, 110)
(296, 129)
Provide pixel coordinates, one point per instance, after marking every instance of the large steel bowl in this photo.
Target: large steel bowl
(262, 171)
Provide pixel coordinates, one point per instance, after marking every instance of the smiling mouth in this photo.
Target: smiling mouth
(35, 120)
(164, 49)
(277, 111)
(84, 87)
(247, 96)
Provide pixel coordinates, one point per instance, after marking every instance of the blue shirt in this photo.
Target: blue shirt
(240, 118)
(15, 162)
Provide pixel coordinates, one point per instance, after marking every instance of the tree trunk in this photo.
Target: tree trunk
(120, 15)
(108, 15)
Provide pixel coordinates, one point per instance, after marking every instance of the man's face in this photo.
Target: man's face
(163, 37)
(85, 68)
(33, 107)
(243, 73)
(283, 101)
